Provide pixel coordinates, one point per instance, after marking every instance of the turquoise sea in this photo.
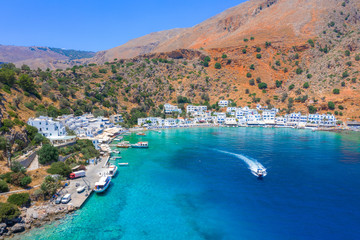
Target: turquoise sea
(196, 184)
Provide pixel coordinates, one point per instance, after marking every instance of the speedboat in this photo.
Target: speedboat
(141, 134)
(260, 173)
(140, 145)
(102, 184)
(124, 144)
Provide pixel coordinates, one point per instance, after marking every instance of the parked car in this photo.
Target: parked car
(58, 200)
(66, 198)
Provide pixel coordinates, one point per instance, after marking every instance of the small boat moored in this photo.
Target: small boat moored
(140, 145)
(102, 184)
(112, 170)
(80, 189)
(124, 144)
(141, 134)
(123, 164)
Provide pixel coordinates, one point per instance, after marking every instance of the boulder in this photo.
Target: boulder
(3, 228)
(19, 227)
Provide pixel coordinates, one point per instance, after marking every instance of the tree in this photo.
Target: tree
(336, 91)
(27, 83)
(291, 87)
(267, 44)
(306, 85)
(244, 51)
(59, 168)
(312, 109)
(252, 67)
(252, 82)
(31, 131)
(347, 53)
(262, 85)
(7, 76)
(217, 65)
(49, 186)
(19, 199)
(17, 167)
(278, 83)
(8, 211)
(299, 71)
(258, 56)
(248, 75)
(3, 186)
(258, 49)
(311, 42)
(48, 154)
(331, 105)
(224, 56)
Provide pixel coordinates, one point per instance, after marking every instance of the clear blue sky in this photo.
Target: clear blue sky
(98, 25)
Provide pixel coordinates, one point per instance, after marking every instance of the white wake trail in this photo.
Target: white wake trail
(253, 165)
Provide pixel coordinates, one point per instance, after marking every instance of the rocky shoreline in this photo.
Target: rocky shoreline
(34, 217)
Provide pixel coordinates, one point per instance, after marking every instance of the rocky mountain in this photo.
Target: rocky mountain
(41, 57)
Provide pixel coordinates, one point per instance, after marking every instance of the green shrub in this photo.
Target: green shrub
(311, 42)
(258, 49)
(19, 199)
(102, 70)
(347, 53)
(278, 83)
(224, 56)
(258, 56)
(331, 105)
(306, 85)
(244, 51)
(299, 71)
(357, 57)
(17, 167)
(217, 65)
(248, 75)
(291, 87)
(8, 211)
(59, 168)
(3, 186)
(252, 82)
(262, 85)
(341, 107)
(309, 76)
(48, 154)
(25, 181)
(252, 67)
(312, 109)
(336, 91)
(345, 74)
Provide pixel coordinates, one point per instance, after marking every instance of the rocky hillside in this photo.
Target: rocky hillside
(41, 57)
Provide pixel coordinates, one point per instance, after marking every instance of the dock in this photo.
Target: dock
(92, 176)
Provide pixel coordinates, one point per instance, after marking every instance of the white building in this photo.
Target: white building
(169, 109)
(117, 118)
(47, 126)
(230, 121)
(223, 103)
(191, 109)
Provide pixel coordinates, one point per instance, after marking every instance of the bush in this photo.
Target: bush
(252, 82)
(217, 65)
(48, 154)
(244, 51)
(49, 186)
(248, 75)
(291, 87)
(19, 179)
(278, 83)
(59, 168)
(102, 70)
(345, 74)
(312, 109)
(25, 181)
(8, 211)
(341, 107)
(17, 167)
(3, 186)
(309, 76)
(19, 199)
(336, 91)
(258, 49)
(258, 56)
(299, 71)
(262, 85)
(347, 53)
(311, 42)
(357, 57)
(306, 85)
(224, 56)
(331, 105)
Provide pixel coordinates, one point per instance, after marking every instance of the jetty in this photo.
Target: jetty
(92, 176)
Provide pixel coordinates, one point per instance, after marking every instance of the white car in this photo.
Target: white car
(66, 198)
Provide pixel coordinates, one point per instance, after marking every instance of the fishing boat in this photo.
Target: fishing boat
(123, 164)
(124, 144)
(102, 184)
(141, 134)
(260, 173)
(140, 145)
(112, 170)
(116, 158)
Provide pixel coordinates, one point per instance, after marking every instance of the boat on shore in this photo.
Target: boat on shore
(140, 145)
(124, 144)
(102, 184)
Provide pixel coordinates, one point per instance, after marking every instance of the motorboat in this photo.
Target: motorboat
(124, 144)
(102, 184)
(123, 164)
(141, 134)
(112, 170)
(80, 189)
(260, 173)
(140, 145)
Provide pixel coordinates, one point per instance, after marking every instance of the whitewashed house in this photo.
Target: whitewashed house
(169, 109)
(47, 126)
(191, 109)
(223, 103)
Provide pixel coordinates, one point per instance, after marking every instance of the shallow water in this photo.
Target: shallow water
(185, 187)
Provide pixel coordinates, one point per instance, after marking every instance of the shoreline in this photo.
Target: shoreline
(48, 213)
